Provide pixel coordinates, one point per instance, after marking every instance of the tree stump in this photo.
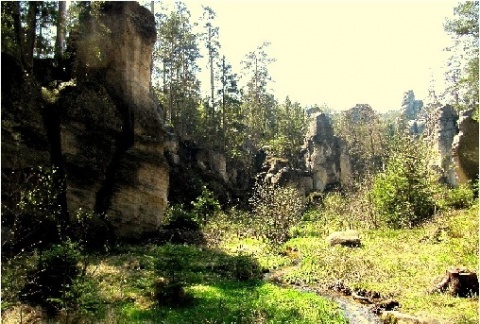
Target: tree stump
(459, 282)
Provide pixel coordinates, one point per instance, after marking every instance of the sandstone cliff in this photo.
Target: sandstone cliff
(103, 128)
(444, 128)
(465, 148)
(326, 158)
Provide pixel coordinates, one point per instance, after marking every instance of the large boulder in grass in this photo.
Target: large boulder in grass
(349, 238)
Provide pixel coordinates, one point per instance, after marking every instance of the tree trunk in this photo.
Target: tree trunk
(60, 41)
(17, 25)
(30, 35)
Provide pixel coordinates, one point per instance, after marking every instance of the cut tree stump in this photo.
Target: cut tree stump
(458, 282)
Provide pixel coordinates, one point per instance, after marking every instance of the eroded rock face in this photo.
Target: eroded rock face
(444, 130)
(123, 173)
(325, 155)
(465, 150)
(411, 108)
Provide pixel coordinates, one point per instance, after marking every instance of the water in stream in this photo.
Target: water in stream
(354, 312)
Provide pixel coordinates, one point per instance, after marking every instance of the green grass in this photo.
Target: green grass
(224, 286)
(400, 263)
(234, 302)
(224, 282)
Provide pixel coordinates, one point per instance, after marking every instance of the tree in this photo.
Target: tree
(258, 104)
(212, 45)
(176, 60)
(463, 70)
(290, 130)
(61, 30)
(361, 129)
(403, 194)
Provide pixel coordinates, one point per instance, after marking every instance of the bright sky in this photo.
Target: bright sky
(339, 53)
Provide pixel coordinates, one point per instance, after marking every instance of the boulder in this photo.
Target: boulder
(349, 238)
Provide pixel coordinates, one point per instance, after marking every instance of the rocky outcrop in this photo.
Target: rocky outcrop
(279, 172)
(444, 129)
(192, 167)
(325, 154)
(411, 108)
(131, 185)
(465, 151)
(103, 130)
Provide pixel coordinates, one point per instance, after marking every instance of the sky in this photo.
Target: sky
(338, 53)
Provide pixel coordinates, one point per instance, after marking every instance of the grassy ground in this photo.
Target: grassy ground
(219, 287)
(222, 281)
(402, 263)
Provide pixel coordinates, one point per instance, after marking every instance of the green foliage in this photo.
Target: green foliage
(463, 68)
(403, 195)
(54, 276)
(363, 132)
(276, 210)
(179, 218)
(458, 197)
(31, 208)
(205, 206)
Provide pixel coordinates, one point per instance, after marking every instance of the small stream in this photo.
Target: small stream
(353, 311)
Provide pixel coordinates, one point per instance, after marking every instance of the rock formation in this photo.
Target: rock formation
(411, 108)
(444, 129)
(103, 130)
(325, 156)
(192, 167)
(465, 148)
(132, 190)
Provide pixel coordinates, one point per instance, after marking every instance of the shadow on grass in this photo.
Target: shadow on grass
(223, 288)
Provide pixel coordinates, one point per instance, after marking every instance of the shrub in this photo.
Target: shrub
(180, 228)
(205, 206)
(31, 209)
(50, 283)
(179, 219)
(459, 197)
(276, 210)
(170, 294)
(245, 267)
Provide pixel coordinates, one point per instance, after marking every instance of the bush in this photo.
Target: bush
(205, 206)
(179, 219)
(277, 210)
(170, 294)
(51, 282)
(458, 197)
(31, 209)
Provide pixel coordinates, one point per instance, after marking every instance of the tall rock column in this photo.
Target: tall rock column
(138, 198)
(465, 148)
(323, 153)
(444, 130)
(113, 146)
